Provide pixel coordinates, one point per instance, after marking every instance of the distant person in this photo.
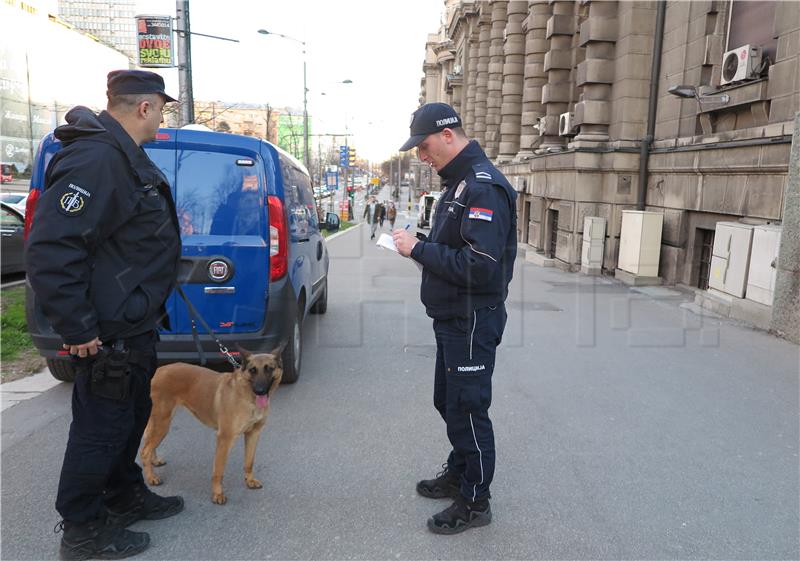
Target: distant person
(383, 213)
(372, 214)
(391, 214)
(102, 259)
(467, 264)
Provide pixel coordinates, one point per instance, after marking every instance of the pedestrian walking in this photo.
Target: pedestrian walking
(102, 259)
(372, 214)
(391, 214)
(467, 261)
(383, 213)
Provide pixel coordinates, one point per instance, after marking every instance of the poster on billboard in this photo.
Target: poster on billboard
(154, 41)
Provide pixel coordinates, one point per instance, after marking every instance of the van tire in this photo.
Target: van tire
(321, 305)
(61, 369)
(292, 353)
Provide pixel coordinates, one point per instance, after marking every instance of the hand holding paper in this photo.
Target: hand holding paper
(385, 241)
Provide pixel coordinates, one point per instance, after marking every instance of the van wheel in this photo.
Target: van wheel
(61, 369)
(321, 305)
(292, 353)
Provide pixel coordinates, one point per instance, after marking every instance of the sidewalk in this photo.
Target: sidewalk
(26, 388)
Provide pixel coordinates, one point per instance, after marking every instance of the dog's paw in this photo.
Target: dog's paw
(219, 498)
(157, 462)
(252, 483)
(154, 480)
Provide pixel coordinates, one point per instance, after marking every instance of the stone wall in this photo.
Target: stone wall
(528, 63)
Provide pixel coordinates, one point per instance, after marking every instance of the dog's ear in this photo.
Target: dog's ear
(244, 353)
(277, 352)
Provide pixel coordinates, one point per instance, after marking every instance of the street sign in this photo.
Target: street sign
(332, 180)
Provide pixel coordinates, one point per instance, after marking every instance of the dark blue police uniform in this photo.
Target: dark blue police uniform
(102, 258)
(468, 261)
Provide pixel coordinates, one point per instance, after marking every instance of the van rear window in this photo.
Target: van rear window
(216, 196)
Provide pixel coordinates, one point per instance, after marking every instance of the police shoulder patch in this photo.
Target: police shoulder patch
(73, 200)
(482, 173)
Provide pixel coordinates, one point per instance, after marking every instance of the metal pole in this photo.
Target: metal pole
(186, 113)
(305, 112)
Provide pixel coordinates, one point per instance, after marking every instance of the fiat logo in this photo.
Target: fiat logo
(218, 270)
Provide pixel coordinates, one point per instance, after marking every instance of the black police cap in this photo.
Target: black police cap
(429, 119)
(123, 82)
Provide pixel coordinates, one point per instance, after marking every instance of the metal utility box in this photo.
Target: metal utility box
(763, 263)
(594, 236)
(730, 259)
(640, 242)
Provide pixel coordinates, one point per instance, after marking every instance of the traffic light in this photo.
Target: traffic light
(351, 159)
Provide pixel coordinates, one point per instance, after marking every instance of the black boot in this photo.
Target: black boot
(98, 540)
(461, 515)
(140, 503)
(446, 485)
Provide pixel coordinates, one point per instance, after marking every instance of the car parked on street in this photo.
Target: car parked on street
(426, 206)
(12, 223)
(16, 200)
(254, 263)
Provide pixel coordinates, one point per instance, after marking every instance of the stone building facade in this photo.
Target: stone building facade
(570, 101)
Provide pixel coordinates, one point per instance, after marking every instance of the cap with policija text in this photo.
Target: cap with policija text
(429, 119)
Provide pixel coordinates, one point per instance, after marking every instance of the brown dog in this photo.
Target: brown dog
(233, 403)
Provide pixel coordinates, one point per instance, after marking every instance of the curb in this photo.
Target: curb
(337, 234)
(26, 388)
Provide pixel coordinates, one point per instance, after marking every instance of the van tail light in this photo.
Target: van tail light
(278, 239)
(30, 207)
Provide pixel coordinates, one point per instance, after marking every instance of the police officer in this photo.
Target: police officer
(102, 258)
(467, 260)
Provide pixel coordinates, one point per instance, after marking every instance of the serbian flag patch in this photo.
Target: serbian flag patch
(481, 214)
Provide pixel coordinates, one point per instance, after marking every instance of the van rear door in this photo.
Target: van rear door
(162, 152)
(221, 205)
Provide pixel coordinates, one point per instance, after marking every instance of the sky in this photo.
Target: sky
(378, 44)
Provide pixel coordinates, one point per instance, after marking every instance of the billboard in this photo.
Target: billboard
(154, 41)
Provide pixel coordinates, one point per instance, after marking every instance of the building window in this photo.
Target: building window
(753, 23)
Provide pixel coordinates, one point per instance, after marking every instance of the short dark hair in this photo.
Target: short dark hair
(459, 131)
(126, 102)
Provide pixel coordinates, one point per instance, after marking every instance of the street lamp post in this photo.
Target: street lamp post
(306, 158)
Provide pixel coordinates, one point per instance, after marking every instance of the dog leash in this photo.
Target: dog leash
(196, 315)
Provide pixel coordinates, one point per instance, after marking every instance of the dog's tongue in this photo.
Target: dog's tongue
(262, 401)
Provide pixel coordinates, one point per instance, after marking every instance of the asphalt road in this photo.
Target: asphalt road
(627, 427)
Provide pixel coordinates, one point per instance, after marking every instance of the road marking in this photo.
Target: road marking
(23, 389)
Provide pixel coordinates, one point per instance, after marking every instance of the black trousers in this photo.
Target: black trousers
(462, 393)
(100, 460)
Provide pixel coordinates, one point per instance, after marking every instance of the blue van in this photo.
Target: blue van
(254, 262)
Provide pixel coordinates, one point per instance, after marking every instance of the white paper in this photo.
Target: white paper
(387, 242)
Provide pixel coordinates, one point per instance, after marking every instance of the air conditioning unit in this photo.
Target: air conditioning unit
(742, 63)
(566, 125)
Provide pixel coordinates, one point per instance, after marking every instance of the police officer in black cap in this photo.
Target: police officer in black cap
(102, 258)
(467, 260)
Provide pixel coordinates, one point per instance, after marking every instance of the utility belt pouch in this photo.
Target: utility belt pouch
(111, 373)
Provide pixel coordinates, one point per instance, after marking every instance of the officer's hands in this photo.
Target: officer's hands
(84, 349)
(404, 242)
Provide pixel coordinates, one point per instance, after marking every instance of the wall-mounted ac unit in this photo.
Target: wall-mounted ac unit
(742, 63)
(566, 126)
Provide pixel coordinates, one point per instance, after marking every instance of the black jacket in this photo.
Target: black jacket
(103, 250)
(468, 259)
